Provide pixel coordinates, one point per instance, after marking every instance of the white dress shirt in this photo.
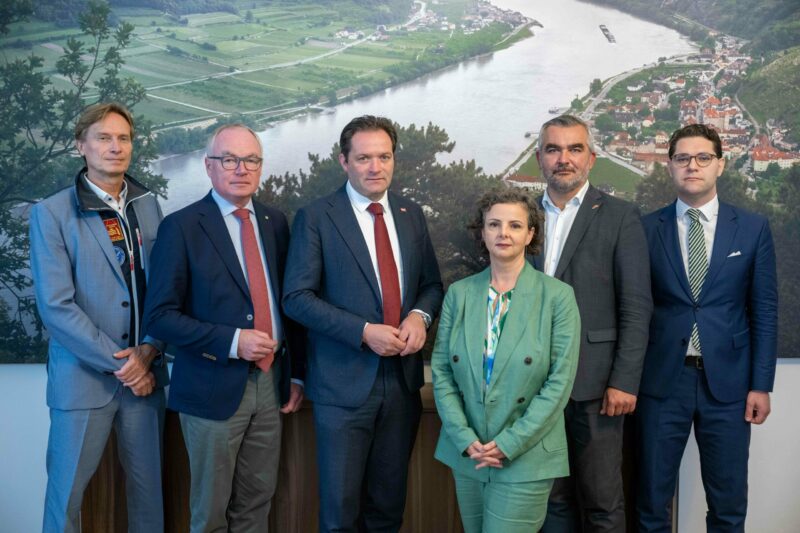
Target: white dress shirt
(708, 219)
(234, 230)
(366, 222)
(558, 223)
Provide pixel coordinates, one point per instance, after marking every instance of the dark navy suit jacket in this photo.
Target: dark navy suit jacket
(331, 288)
(198, 297)
(736, 313)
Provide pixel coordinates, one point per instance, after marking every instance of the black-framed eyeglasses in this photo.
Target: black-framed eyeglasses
(702, 159)
(231, 162)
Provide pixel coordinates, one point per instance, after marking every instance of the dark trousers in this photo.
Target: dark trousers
(723, 439)
(591, 498)
(363, 454)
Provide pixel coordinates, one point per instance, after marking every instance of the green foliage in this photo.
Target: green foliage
(596, 86)
(773, 91)
(576, 105)
(606, 123)
(771, 24)
(13, 11)
(442, 190)
(37, 149)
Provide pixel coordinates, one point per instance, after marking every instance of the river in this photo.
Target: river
(486, 105)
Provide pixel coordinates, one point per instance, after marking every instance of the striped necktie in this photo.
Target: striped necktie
(698, 265)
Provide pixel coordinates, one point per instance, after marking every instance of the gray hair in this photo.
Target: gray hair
(213, 138)
(566, 121)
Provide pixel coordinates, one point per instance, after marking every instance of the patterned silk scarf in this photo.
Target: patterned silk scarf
(497, 309)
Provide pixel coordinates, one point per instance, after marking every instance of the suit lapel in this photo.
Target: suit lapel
(538, 259)
(517, 321)
(98, 229)
(342, 216)
(270, 244)
(405, 238)
(723, 237)
(591, 204)
(214, 226)
(668, 233)
(475, 323)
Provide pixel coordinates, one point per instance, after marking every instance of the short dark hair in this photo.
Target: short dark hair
(696, 130)
(97, 112)
(366, 123)
(566, 121)
(508, 195)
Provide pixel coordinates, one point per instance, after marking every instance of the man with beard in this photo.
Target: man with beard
(594, 242)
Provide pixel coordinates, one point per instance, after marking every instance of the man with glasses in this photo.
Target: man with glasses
(711, 358)
(215, 296)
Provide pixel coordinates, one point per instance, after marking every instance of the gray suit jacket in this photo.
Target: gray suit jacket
(606, 261)
(82, 296)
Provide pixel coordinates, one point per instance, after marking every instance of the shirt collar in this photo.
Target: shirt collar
(225, 207)
(361, 202)
(708, 210)
(107, 198)
(576, 200)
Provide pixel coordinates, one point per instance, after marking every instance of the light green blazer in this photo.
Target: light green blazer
(522, 410)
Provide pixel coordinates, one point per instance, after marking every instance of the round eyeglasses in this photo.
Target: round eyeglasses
(230, 162)
(683, 160)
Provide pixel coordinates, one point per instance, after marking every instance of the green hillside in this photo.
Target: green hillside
(770, 24)
(773, 91)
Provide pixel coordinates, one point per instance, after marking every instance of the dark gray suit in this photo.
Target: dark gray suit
(605, 260)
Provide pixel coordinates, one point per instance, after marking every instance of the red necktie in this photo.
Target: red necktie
(257, 281)
(390, 281)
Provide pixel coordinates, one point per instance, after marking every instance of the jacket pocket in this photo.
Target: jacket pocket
(741, 339)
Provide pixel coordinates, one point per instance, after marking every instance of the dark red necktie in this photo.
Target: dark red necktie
(257, 281)
(390, 281)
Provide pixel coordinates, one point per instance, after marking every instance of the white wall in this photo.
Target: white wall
(774, 475)
(774, 461)
(24, 422)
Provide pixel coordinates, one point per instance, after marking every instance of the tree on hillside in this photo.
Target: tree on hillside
(596, 86)
(446, 192)
(37, 150)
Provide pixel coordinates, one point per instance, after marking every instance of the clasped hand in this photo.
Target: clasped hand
(135, 373)
(488, 454)
(387, 341)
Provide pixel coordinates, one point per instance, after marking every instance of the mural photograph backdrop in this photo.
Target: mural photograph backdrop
(468, 82)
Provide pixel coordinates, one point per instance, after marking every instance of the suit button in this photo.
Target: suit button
(520, 400)
(124, 336)
(696, 307)
(126, 304)
(249, 317)
(455, 359)
(528, 360)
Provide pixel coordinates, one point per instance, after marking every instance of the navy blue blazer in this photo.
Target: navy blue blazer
(331, 288)
(736, 313)
(198, 297)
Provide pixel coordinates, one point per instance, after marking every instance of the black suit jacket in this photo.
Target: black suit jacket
(198, 297)
(605, 259)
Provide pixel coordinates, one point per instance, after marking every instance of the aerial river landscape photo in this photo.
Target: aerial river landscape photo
(486, 104)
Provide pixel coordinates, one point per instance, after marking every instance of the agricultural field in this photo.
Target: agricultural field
(270, 55)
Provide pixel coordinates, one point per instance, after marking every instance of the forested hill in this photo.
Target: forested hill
(769, 24)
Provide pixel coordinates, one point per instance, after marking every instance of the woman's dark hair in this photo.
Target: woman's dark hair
(508, 195)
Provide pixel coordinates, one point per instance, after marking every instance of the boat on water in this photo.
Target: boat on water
(554, 110)
(607, 33)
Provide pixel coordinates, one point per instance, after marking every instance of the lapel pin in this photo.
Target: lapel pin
(595, 206)
(266, 217)
(403, 209)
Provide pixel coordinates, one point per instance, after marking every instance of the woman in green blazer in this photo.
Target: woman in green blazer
(503, 366)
